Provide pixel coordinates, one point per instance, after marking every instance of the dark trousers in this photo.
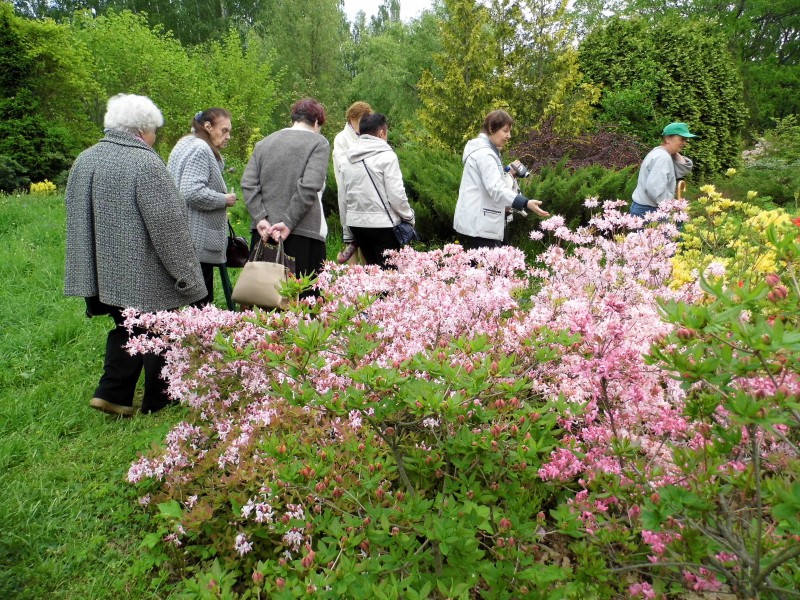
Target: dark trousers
(208, 278)
(473, 243)
(121, 370)
(374, 241)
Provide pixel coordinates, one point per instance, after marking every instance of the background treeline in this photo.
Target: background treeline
(590, 85)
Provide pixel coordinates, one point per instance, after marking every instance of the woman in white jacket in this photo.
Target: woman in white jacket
(373, 187)
(341, 145)
(484, 195)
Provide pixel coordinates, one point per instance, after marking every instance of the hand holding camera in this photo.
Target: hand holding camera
(517, 169)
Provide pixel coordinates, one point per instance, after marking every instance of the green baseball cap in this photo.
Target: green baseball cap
(681, 129)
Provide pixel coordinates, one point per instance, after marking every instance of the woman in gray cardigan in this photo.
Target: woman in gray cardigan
(283, 183)
(196, 166)
(128, 245)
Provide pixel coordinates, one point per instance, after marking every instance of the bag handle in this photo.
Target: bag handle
(363, 162)
(280, 256)
(231, 232)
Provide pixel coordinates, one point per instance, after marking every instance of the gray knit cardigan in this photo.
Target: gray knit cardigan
(283, 179)
(198, 175)
(127, 231)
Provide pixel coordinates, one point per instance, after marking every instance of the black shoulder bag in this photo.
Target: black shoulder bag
(404, 231)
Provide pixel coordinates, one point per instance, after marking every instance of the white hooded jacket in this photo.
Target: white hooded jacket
(364, 206)
(484, 194)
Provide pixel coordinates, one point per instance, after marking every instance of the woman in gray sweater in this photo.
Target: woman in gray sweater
(283, 183)
(196, 166)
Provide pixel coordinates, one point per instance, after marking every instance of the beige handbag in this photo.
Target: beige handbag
(260, 282)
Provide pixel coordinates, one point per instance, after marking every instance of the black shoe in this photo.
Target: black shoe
(111, 408)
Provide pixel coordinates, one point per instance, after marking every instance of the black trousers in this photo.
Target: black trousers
(374, 241)
(208, 278)
(121, 370)
(473, 243)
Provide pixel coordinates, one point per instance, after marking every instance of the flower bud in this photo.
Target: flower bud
(772, 279)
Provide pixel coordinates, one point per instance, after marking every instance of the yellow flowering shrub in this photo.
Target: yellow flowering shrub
(43, 187)
(730, 233)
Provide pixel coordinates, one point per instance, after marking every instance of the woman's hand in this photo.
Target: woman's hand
(230, 199)
(533, 206)
(280, 231)
(263, 227)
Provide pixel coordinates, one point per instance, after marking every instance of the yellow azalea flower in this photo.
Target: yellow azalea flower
(730, 172)
(725, 203)
(751, 194)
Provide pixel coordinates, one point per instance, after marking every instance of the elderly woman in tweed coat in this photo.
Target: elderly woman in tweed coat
(128, 245)
(196, 166)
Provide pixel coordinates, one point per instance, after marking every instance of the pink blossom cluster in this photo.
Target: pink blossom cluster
(608, 293)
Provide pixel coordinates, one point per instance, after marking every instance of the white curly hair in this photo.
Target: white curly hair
(132, 114)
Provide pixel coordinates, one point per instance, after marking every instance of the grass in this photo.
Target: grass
(70, 524)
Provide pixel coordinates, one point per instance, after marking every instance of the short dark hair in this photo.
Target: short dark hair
(309, 111)
(497, 119)
(372, 124)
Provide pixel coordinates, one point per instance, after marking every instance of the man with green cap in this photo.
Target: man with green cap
(661, 169)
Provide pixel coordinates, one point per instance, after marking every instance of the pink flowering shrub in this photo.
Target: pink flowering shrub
(461, 427)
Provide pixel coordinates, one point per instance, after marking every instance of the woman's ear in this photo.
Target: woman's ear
(208, 126)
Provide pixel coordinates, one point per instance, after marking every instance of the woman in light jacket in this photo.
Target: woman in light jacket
(484, 195)
(341, 145)
(196, 166)
(374, 191)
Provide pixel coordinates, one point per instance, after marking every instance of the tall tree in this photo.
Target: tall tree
(145, 61)
(515, 55)
(388, 64)
(46, 87)
(310, 44)
(454, 100)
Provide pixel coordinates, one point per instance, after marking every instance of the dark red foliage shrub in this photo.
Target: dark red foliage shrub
(605, 147)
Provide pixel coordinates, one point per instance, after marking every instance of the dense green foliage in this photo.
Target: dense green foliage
(435, 76)
(772, 168)
(670, 70)
(44, 85)
(763, 37)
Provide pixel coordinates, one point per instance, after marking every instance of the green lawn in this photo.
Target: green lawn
(70, 526)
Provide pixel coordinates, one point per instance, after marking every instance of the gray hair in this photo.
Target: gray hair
(132, 114)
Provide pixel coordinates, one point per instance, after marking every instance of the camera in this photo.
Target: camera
(520, 169)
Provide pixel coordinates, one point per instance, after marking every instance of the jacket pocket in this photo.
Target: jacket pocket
(214, 240)
(492, 223)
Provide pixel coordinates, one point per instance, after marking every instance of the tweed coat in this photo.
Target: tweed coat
(127, 231)
(198, 175)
